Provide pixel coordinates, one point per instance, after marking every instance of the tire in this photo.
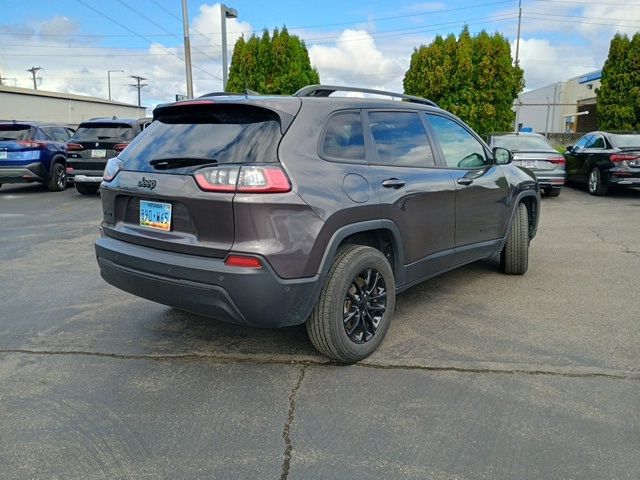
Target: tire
(514, 257)
(595, 184)
(552, 192)
(58, 180)
(327, 326)
(84, 189)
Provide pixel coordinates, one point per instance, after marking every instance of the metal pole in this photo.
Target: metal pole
(187, 49)
(109, 82)
(546, 122)
(518, 38)
(223, 29)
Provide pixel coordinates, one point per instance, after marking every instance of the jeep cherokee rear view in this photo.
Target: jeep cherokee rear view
(276, 211)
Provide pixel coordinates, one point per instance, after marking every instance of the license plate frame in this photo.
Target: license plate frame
(532, 164)
(155, 215)
(98, 153)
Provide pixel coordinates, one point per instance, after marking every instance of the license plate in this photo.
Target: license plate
(155, 215)
(3, 154)
(530, 163)
(98, 153)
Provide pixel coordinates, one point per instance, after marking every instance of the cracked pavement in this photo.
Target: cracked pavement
(481, 375)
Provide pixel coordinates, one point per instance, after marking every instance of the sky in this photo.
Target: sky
(365, 43)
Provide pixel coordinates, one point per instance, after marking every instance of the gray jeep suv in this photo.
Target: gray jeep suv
(276, 211)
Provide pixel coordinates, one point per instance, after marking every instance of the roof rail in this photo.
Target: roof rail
(326, 90)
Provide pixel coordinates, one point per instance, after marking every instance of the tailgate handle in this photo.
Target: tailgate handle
(465, 181)
(393, 183)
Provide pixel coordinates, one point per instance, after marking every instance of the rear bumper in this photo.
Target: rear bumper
(33, 172)
(550, 180)
(624, 178)
(87, 179)
(206, 286)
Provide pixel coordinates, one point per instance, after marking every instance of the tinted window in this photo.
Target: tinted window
(15, 132)
(43, 134)
(343, 137)
(401, 139)
(596, 142)
(460, 148)
(60, 134)
(521, 142)
(91, 132)
(625, 141)
(228, 134)
(582, 142)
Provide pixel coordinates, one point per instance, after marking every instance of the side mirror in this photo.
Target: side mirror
(570, 148)
(502, 155)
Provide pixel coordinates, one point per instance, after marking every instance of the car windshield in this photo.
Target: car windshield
(96, 131)
(626, 141)
(15, 132)
(522, 142)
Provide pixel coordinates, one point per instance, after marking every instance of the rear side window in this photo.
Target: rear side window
(224, 134)
(16, 132)
(92, 132)
(596, 141)
(343, 138)
(400, 139)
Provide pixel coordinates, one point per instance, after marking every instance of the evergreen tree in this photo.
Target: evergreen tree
(472, 76)
(272, 64)
(619, 92)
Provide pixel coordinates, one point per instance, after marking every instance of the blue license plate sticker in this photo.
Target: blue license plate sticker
(155, 215)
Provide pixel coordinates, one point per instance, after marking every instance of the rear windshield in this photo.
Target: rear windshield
(15, 132)
(522, 142)
(225, 134)
(104, 131)
(625, 141)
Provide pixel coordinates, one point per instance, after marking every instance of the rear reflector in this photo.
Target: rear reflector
(74, 147)
(245, 179)
(623, 157)
(242, 261)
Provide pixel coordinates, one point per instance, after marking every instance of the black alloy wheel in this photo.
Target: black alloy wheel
(364, 305)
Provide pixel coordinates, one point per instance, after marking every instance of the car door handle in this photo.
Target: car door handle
(393, 183)
(464, 181)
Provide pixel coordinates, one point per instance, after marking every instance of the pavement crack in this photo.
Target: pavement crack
(433, 365)
(286, 433)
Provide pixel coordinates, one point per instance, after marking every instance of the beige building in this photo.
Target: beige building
(562, 107)
(27, 104)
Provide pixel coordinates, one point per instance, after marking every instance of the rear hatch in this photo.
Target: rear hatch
(94, 143)
(176, 181)
(17, 146)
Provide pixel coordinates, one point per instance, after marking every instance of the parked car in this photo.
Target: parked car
(95, 142)
(533, 151)
(34, 152)
(276, 211)
(605, 159)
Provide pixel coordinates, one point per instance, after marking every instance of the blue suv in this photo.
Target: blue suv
(34, 152)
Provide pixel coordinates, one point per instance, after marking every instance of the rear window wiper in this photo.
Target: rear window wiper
(180, 162)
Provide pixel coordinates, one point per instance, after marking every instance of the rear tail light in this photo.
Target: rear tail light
(242, 261)
(245, 179)
(31, 144)
(120, 147)
(623, 157)
(74, 147)
(114, 165)
(557, 160)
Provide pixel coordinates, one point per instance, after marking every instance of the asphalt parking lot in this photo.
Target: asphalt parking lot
(482, 375)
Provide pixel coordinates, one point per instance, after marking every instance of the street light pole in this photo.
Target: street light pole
(109, 80)
(187, 48)
(225, 13)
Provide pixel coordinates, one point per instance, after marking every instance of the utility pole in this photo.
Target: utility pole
(33, 71)
(225, 12)
(187, 48)
(138, 85)
(518, 39)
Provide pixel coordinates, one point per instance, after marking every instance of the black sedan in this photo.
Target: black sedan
(605, 159)
(534, 152)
